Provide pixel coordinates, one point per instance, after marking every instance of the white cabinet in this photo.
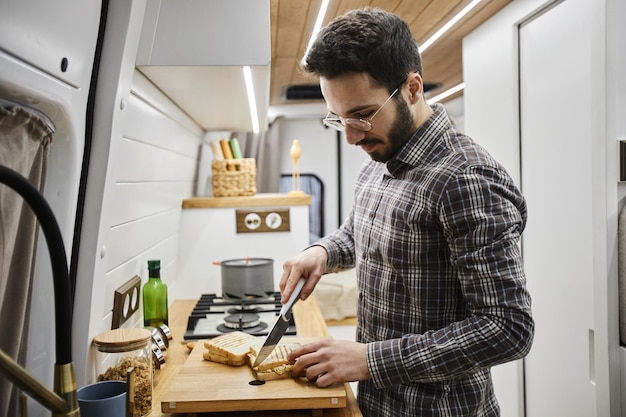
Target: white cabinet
(542, 94)
(206, 32)
(57, 37)
(194, 50)
(557, 180)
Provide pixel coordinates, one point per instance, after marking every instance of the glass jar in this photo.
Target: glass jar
(118, 352)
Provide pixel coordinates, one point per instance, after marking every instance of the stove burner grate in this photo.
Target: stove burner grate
(240, 321)
(211, 316)
(256, 330)
(244, 310)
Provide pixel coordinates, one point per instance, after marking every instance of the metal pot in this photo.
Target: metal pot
(247, 278)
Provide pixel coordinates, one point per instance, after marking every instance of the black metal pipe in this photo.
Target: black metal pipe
(84, 172)
(56, 248)
(339, 173)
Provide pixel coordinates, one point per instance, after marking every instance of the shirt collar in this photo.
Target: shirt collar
(415, 149)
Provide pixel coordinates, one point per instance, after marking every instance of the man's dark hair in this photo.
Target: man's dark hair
(367, 40)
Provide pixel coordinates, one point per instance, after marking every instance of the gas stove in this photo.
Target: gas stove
(214, 315)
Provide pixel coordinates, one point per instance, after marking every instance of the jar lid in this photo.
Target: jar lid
(122, 340)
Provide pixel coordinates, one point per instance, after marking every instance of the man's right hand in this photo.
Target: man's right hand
(311, 264)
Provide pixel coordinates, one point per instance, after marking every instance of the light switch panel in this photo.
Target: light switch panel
(126, 301)
(262, 221)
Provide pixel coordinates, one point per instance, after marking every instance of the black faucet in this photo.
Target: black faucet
(63, 400)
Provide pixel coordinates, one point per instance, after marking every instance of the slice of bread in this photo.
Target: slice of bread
(276, 365)
(280, 372)
(229, 348)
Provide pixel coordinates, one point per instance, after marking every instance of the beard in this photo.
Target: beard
(401, 129)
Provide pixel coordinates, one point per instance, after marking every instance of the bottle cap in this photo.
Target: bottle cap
(154, 264)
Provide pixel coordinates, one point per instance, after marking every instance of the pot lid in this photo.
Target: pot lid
(244, 262)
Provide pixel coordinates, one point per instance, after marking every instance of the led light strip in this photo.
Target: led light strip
(448, 25)
(446, 93)
(317, 26)
(247, 76)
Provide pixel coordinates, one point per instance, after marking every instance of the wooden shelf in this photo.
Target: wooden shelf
(258, 200)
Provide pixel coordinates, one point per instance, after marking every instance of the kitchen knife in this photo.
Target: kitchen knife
(280, 326)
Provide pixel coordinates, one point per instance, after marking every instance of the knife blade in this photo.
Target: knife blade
(280, 325)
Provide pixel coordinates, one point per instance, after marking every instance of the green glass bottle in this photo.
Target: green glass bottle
(154, 297)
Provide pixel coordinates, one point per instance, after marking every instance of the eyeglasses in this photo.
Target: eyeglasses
(365, 125)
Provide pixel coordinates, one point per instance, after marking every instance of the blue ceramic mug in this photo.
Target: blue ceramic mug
(103, 399)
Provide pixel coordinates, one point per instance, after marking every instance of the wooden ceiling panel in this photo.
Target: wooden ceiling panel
(346, 5)
(430, 18)
(274, 22)
(477, 16)
(292, 22)
(386, 4)
(410, 10)
(281, 69)
(292, 18)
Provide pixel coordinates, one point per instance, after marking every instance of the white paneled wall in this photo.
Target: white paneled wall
(155, 170)
(154, 153)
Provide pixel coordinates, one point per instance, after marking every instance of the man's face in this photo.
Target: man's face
(355, 96)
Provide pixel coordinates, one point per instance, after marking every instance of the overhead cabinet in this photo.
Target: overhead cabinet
(44, 35)
(195, 51)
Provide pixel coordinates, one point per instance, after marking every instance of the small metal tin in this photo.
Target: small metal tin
(157, 356)
(166, 340)
(166, 331)
(158, 339)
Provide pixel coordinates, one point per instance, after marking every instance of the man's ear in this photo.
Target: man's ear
(416, 87)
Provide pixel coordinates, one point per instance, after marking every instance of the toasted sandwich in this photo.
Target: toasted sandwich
(276, 365)
(229, 348)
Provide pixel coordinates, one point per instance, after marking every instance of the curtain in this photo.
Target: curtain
(24, 143)
(265, 148)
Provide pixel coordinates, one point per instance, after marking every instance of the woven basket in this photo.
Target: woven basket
(234, 177)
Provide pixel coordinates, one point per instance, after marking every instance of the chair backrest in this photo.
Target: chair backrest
(314, 186)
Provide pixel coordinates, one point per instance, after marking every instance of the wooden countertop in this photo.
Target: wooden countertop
(257, 200)
(309, 322)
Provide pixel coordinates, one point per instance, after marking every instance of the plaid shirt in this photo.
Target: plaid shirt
(434, 235)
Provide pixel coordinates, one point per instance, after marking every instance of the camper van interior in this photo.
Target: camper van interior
(110, 114)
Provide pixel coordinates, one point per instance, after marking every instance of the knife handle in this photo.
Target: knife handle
(293, 298)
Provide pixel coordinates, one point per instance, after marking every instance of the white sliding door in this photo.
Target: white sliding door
(555, 107)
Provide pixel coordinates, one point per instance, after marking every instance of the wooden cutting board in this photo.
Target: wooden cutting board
(203, 387)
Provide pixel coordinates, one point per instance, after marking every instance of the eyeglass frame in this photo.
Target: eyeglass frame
(339, 123)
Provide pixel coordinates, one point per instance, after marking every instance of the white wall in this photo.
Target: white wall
(208, 235)
(319, 156)
(143, 165)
